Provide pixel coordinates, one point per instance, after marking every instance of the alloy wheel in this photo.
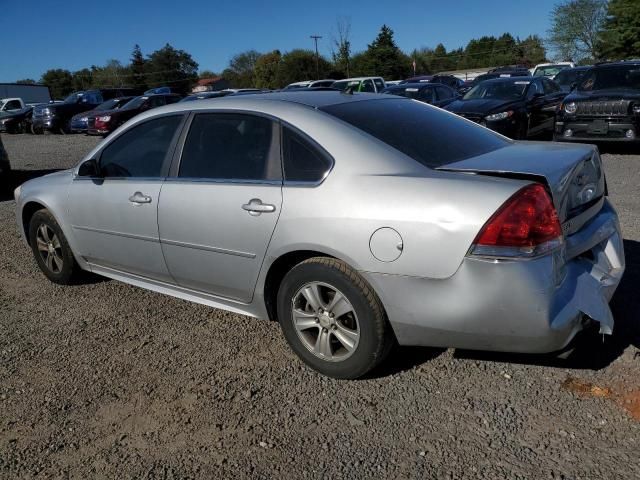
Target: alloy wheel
(325, 321)
(49, 248)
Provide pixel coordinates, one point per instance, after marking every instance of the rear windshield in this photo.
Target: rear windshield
(427, 134)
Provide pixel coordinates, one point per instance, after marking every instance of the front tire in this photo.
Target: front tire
(332, 318)
(51, 249)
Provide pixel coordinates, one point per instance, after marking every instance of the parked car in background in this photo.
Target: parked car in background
(356, 221)
(390, 83)
(310, 84)
(448, 80)
(103, 123)
(11, 105)
(550, 69)
(16, 121)
(5, 167)
(569, 78)
(604, 107)
(518, 107)
(221, 93)
(56, 117)
(80, 122)
(360, 84)
(418, 79)
(431, 93)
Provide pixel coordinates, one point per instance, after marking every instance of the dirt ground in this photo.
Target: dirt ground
(105, 380)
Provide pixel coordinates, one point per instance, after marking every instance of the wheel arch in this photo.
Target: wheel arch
(282, 265)
(28, 210)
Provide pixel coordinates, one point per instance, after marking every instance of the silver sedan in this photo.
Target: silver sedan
(357, 221)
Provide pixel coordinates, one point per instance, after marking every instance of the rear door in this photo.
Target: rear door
(218, 210)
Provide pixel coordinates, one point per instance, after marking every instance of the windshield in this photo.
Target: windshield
(134, 103)
(74, 97)
(549, 70)
(569, 76)
(427, 134)
(108, 105)
(505, 90)
(619, 77)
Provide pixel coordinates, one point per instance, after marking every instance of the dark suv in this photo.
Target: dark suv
(56, 117)
(604, 107)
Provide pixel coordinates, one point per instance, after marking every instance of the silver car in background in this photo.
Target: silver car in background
(356, 220)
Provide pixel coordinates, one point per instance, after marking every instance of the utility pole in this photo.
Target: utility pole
(315, 39)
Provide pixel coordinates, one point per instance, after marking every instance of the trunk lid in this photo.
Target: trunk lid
(572, 173)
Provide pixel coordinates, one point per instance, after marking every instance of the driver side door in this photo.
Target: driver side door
(114, 215)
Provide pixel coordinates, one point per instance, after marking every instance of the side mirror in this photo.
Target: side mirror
(90, 168)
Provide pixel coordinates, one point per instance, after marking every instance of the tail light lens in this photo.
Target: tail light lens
(526, 225)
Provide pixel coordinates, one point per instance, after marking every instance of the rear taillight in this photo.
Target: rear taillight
(526, 225)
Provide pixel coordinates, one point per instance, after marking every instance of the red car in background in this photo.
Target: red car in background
(103, 123)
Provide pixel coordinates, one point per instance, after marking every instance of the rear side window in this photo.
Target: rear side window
(141, 151)
(367, 86)
(379, 84)
(302, 161)
(229, 146)
(429, 135)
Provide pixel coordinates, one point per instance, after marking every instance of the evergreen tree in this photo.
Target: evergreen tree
(137, 67)
(620, 37)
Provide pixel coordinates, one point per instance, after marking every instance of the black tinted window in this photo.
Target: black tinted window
(426, 134)
(444, 93)
(303, 162)
(140, 152)
(231, 146)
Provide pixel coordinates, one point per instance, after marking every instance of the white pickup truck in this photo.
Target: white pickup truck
(11, 104)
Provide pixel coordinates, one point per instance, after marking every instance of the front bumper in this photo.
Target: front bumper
(528, 306)
(597, 129)
(45, 123)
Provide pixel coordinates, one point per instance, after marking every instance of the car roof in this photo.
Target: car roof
(356, 79)
(310, 98)
(512, 79)
(415, 85)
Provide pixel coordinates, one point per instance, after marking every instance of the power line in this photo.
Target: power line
(315, 39)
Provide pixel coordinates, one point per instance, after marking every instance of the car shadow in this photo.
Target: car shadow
(18, 177)
(591, 351)
(619, 148)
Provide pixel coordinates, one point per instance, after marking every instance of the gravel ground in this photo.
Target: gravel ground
(106, 380)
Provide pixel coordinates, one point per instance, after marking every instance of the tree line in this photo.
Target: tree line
(581, 30)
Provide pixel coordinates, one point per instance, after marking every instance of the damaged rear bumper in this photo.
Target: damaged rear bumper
(529, 306)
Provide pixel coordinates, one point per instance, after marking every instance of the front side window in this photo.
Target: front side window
(426, 95)
(229, 146)
(140, 151)
(444, 93)
(302, 160)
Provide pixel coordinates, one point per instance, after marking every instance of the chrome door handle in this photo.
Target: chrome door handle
(256, 207)
(139, 198)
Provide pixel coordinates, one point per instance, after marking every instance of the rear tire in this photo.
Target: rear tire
(51, 249)
(332, 318)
